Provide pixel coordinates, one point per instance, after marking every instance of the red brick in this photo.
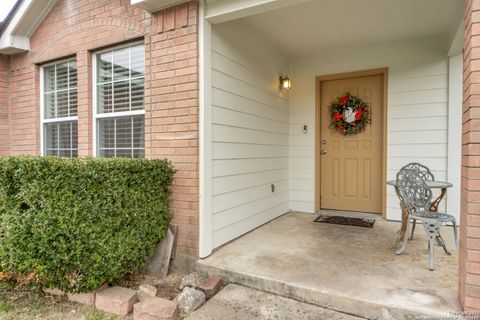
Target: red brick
(87, 298)
(171, 82)
(471, 303)
(182, 16)
(469, 256)
(169, 19)
(116, 300)
(211, 286)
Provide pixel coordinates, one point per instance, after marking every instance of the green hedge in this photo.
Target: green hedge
(77, 223)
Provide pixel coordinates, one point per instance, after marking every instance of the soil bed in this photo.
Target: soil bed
(23, 302)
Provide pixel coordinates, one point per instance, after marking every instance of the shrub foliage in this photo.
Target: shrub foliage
(77, 223)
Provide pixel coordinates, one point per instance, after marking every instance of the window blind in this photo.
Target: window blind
(60, 134)
(120, 102)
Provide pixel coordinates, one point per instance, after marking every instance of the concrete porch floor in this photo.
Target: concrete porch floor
(344, 268)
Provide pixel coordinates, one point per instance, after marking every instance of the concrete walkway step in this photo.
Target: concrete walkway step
(322, 299)
(236, 302)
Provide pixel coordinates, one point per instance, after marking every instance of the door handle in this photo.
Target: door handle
(323, 151)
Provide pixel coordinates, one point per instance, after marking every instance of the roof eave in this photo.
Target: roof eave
(155, 5)
(6, 21)
(23, 22)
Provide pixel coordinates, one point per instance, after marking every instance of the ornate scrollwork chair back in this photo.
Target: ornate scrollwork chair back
(421, 170)
(415, 193)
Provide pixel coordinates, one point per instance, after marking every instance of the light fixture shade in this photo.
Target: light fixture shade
(285, 83)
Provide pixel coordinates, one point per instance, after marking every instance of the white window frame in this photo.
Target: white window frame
(96, 116)
(43, 120)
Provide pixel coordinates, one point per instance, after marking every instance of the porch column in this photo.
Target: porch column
(469, 253)
(171, 112)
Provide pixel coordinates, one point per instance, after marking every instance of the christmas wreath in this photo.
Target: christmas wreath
(349, 114)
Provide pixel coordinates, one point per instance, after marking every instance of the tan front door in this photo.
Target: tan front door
(351, 166)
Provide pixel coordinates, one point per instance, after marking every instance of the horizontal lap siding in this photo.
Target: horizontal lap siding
(417, 136)
(417, 112)
(250, 128)
(302, 148)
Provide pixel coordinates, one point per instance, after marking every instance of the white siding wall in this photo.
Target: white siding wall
(250, 133)
(417, 111)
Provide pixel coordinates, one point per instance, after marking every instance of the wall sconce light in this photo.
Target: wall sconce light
(285, 83)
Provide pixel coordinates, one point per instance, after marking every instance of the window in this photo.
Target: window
(120, 113)
(59, 109)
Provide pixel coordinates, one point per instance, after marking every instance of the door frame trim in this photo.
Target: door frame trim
(318, 95)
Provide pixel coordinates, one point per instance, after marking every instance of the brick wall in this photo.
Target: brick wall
(172, 112)
(4, 127)
(469, 255)
(78, 28)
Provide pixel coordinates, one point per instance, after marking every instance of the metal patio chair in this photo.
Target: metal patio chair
(425, 174)
(421, 170)
(416, 198)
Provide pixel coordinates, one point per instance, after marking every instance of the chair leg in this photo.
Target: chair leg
(401, 245)
(455, 233)
(441, 243)
(414, 224)
(431, 254)
(431, 228)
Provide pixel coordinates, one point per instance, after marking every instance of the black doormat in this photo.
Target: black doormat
(346, 221)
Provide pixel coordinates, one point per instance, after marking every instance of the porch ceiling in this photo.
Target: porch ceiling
(318, 26)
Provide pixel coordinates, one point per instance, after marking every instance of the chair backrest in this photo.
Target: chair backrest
(416, 194)
(421, 170)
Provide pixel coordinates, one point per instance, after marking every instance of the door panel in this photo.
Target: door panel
(352, 167)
